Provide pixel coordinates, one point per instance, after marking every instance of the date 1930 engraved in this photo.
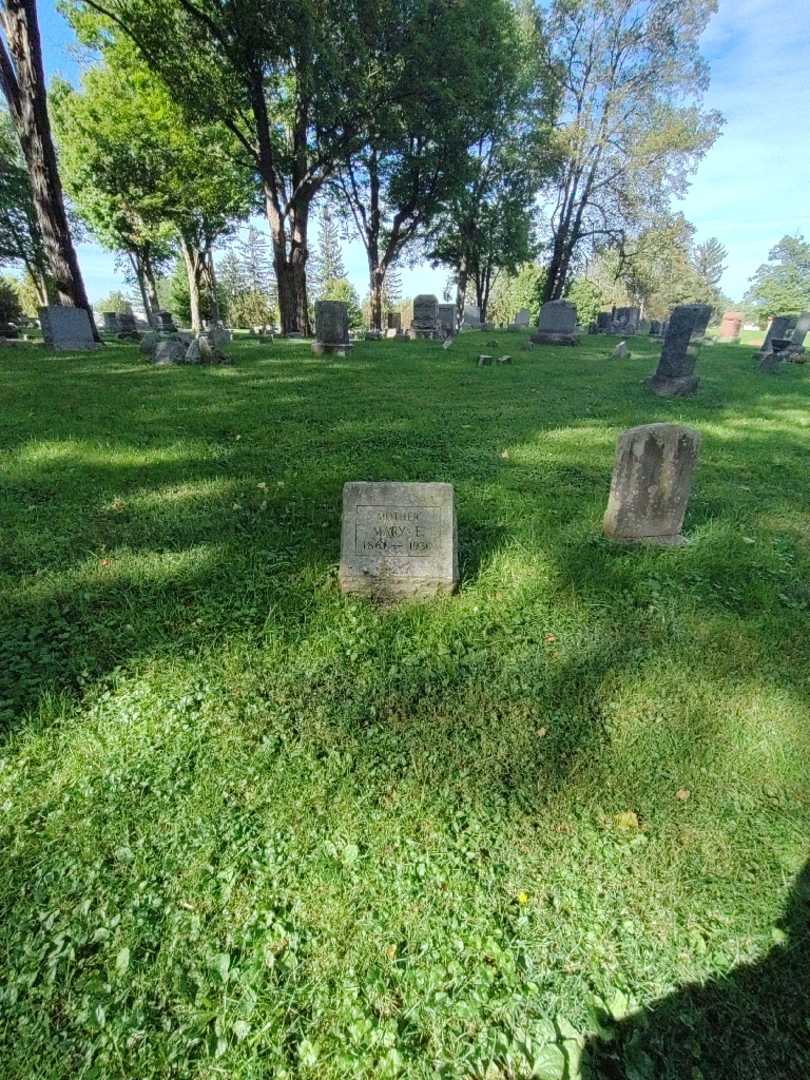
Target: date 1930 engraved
(404, 531)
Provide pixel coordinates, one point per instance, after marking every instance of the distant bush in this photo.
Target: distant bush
(10, 306)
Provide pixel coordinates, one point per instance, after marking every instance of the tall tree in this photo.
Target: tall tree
(141, 176)
(326, 260)
(710, 261)
(484, 229)
(414, 153)
(293, 84)
(22, 78)
(782, 285)
(632, 129)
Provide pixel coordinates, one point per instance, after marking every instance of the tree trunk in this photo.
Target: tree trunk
(151, 285)
(376, 283)
(289, 261)
(137, 268)
(194, 260)
(216, 316)
(461, 293)
(24, 87)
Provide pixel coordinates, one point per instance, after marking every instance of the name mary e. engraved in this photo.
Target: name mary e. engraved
(404, 531)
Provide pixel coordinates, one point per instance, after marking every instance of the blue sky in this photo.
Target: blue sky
(750, 189)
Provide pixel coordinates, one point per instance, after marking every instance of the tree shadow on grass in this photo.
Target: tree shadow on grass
(752, 1024)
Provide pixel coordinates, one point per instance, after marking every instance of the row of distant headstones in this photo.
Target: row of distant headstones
(399, 540)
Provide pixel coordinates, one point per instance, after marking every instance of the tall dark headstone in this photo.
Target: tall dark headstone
(66, 329)
(447, 319)
(331, 327)
(781, 327)
(701, 322)
(425, 319)
(674, 376)
(558, 324)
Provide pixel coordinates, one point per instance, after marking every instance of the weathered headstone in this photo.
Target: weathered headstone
(603, 322)
(655, 327)
(398, 540)
(701, 322)
(164, 321)
(781, 327)
(66, 328)
(625, 320)
(674, 376)
(522, 318)
(394, 320)
(127, 327)
(730, 327)
(471, 318)
(620, 352)
(447, 319)
(112, 324)
(169, 351)
(331, 327)
(392, 332)
(558, 324)
(800, 330)
(425, 318)
(649, 491)
(485, 360)
(506, 359)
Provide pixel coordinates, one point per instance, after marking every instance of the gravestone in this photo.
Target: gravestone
(800, 330)
(169, 351)
(522, 318)
(164, 321)
(730, 327)
(398, 540)
(625, 320)
(674, 376)
(112, 324)
(394, 320)
(620, 352)
(425, 319)
(392, 332)
(701, 322)
(558, 324)
(781, 327)
(331, 327)
(127, 327)
(655, 327)
(447, 319)
(603, 322)
(485, 360)
(66, 328)
(643, 327)
(649, 490)
(471, 318)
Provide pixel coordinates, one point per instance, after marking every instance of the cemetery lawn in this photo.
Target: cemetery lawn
(252, 828)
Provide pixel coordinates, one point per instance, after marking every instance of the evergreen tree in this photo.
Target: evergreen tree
(710, 261)
(782, 285)
(254, 256)
(326, 262)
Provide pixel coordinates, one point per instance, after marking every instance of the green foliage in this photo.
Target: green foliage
(10, 306)
(587, 297)
(20, 241)
(115, 301)
(512, 292)
(342, 289)
(252, 827)
(325, 262)
(632, 83)
(177, 299)
(782, 285)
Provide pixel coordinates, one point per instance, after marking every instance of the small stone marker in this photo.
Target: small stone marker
(65, 329)
(625, 320)
(331, 327)
(392, 332)
(484, 360)
(620, 352)
(730, 327)
(471, 317)
(447, 342)
(111, 322)
(558, 324)
(649, 491)
(504, 360)
(522, 317)
(674, 376)
(398, 540)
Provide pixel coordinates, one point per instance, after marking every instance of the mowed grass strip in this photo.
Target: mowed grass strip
(254, 828)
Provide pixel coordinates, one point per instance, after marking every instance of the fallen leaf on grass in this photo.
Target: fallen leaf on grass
(682, 794)
(627, 819)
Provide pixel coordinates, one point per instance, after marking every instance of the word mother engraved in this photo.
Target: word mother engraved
(398, 540)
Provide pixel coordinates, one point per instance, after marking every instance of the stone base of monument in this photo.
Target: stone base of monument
(680, 387)
(546, 337)
(323, 348)
(398, 541)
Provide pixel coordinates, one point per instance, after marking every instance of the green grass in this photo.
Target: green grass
(253, 828)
